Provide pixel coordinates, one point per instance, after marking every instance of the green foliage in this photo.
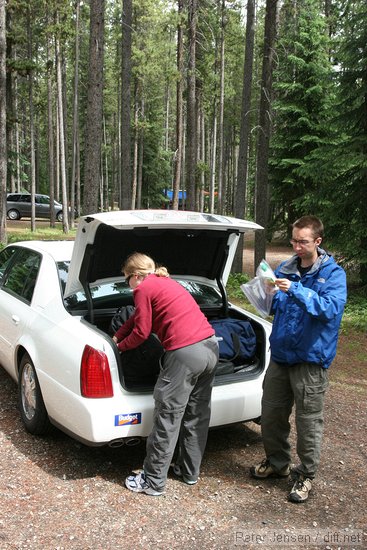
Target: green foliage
(235, 280)
(355, 311)
(319, 160)
(304, 94)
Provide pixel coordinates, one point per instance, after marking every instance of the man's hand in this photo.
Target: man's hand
(283, 284)
(269, 286)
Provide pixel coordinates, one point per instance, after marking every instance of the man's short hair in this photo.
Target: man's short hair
(310, 221)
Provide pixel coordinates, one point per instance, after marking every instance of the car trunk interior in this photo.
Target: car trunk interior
(225, 374)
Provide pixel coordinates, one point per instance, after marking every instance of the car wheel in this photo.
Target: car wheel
(32, 408)
(13, 214)
(59, 216)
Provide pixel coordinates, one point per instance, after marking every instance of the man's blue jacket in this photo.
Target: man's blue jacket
(307, 317)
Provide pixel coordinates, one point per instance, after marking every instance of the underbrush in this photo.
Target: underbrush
(355, 314)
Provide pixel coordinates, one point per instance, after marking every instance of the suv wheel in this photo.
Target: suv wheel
(59, 216)
(13, 214)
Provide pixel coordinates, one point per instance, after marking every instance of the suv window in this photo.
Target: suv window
(13, 198)
(42, 199)
(20, 278)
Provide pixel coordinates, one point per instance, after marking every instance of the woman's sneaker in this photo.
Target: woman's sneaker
(301, 489)
(178, 472)
(138, 484)
(264, 469)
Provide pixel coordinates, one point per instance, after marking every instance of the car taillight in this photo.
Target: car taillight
(95, 375)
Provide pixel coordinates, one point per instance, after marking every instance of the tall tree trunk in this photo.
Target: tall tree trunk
(126, 191)
(191, 129)
(134, 184)
(3, 148)
(92, 165)
(202, 159)
(17, 140)
(65, 214)
(104, 156)
(213, 161)
(57, 149)
(179, 108)
(221, 197)
(262, 187)
(75, 141)
(31, 121)
(10, 96)
(50, 128)
(242, 166)
(140, 157)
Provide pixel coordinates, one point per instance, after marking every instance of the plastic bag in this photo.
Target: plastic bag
(261, 289)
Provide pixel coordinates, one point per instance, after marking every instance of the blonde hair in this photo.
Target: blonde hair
(141, 264)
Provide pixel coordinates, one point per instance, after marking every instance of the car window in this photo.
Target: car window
(203, 294)
(21, 278)
(25, 198)
(13, 198)
(42, 199)
(6, 256)
(114, 294)
(105, 295)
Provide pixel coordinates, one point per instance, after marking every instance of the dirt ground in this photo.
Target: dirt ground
(57, 494)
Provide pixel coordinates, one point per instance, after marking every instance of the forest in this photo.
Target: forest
(250, 108)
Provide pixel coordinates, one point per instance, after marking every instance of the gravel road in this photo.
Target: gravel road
(58, 494)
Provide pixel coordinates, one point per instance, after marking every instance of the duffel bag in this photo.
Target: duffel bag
(236, 339)
(139, 365)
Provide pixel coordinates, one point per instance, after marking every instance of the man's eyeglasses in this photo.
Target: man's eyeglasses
(301, 242)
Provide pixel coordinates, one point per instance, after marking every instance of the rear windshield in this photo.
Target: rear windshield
(116, 293)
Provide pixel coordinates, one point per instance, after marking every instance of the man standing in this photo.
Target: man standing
(307, 308)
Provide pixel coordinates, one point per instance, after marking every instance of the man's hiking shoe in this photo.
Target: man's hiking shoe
(264, 469)
(138, 484)
(178, 472)
(301, 489)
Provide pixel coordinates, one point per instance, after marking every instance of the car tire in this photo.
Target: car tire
(59, 216)
(32, 408)
(13, 214)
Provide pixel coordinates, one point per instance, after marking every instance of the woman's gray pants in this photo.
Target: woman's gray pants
(182, 397)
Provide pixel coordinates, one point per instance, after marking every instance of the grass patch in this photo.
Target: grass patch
(355, 316)
(40, 234)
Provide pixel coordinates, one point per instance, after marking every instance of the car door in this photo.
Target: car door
(42, 206)
(25, 206)
(18, 271)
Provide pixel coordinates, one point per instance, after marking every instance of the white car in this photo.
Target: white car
(57, 300)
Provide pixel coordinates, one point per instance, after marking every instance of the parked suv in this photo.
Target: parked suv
(18, 205)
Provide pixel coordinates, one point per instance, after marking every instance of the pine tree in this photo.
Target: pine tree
(303, 87)
(346, 161)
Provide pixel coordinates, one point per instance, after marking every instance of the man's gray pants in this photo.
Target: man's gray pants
(304, 385)
(182, 397)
